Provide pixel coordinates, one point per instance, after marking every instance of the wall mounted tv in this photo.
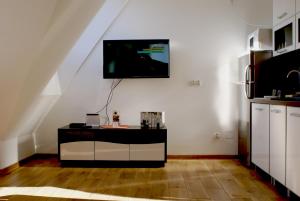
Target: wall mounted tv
(136, 59)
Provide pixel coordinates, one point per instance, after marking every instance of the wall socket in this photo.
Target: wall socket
(223, 136)
(195, 83)
(217, 135)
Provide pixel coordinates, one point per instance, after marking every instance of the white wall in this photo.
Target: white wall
(8, 152)
(255, 13)
(206, 38)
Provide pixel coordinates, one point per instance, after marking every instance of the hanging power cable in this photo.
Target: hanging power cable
(114, 84)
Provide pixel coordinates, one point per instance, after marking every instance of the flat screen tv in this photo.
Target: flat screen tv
(136, 59)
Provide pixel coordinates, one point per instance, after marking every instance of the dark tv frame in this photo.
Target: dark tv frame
(139, 77)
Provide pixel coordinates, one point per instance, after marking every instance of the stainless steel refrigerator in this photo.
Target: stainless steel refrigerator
(250, 85)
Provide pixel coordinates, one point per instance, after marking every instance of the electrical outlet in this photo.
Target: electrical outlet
(217, 135)
(195, 83)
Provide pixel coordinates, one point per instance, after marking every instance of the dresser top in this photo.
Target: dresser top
(131, 127)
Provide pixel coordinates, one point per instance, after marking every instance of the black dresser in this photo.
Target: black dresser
(115, 147)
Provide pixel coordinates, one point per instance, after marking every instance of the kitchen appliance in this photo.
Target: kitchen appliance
(250, 86)
(92, 119)
(260, 39)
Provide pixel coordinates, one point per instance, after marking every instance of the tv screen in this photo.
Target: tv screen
(136, 58)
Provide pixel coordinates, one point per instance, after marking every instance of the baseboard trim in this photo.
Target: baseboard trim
(47, 156)
(9, 169)
(37, 156)
(15, 166)
(189, 157)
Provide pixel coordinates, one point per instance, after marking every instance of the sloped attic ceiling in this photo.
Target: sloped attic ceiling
(23, 26)
(36, 36)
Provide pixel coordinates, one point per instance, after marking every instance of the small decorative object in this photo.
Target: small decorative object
(274, 92)
(144, 124)
(279, 93)
(116, 119)
(92, 120)
(152, 119)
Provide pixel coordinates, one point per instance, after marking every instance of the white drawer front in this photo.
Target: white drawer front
(111, 151)
(147, 152)
(83, 150)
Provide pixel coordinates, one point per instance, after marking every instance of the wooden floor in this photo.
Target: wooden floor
(218, 180)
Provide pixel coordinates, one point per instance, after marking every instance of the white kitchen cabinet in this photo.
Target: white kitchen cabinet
(293, 150)
(297, 22)
(260, 135)
(81, 150)
(109, 151)
(277, 142)
(283, 10)
(284, 37)
(297, 6)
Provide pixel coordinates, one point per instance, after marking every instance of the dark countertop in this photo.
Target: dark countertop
(100, 128)
(275, 102)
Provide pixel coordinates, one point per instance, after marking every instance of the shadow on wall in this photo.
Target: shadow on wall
(35, 115)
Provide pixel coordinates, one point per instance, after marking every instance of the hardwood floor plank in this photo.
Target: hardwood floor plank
(210, 182)
(159, 190)
(178, 194)
(196, 190)
(218, 195)
(241, 199)
(233, 189)
(193, 180)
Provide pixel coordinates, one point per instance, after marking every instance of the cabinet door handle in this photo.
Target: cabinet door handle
(295, 114)
(259, 109)
(277, 111)
(282, 16)
(282, 51)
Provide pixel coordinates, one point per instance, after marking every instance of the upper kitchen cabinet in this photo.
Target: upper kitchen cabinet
(297, 30)
(283, 10)
(284, 37)
(297, 24)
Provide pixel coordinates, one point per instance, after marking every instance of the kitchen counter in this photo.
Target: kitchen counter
(276, 102)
